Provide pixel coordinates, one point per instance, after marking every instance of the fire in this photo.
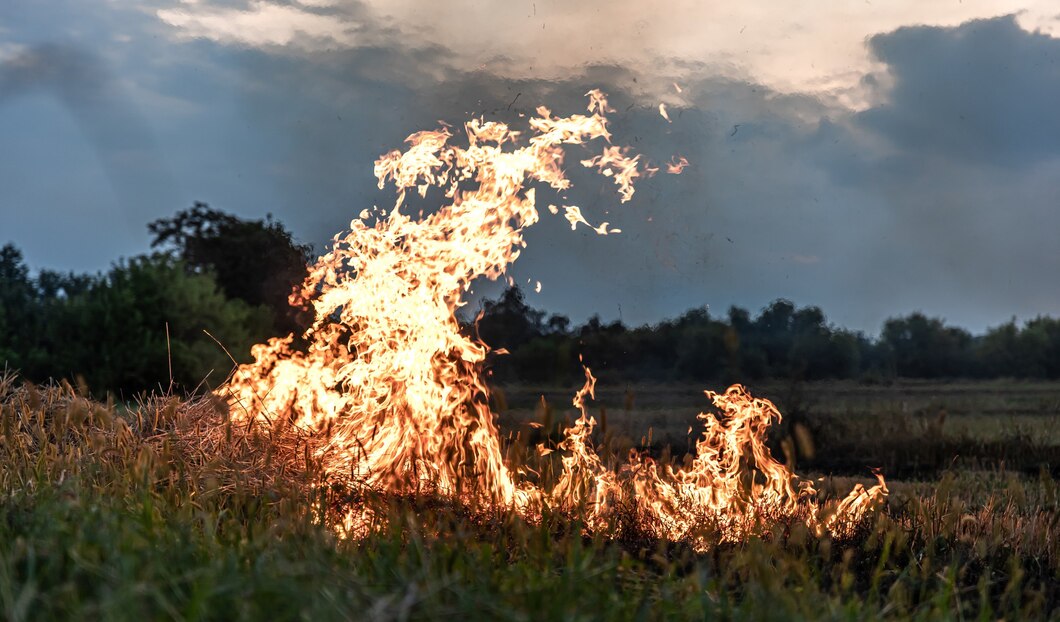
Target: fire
(392, 391)
(663, 112)
(676, 165)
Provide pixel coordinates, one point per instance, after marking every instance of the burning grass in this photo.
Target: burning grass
(163, 510)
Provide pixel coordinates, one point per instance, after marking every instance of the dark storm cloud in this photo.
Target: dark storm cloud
(961, 154)
(985, 92)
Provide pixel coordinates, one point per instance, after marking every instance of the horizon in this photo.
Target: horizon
(497, 288)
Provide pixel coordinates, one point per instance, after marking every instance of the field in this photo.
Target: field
(110, 512)
(910, 429)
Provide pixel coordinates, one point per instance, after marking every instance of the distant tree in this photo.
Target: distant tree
(998, 353)
(19, 310)
(557, 325)
(923, 347)
(232, 278)
(256, 261)
(1030, 352)
(700, 351)
(57, 285)
(820, 351)
(509, 322)
(540, 350)
(774, 332)
(604, 346)
(747, 360)
(1042, 336)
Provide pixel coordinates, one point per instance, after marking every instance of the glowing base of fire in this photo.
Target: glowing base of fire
(732, 490)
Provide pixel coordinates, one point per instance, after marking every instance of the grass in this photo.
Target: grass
(136, 514)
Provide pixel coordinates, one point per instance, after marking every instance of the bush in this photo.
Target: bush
(111, 330)
(126, 316)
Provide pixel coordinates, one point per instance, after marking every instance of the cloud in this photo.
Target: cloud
(261, 23)
(960, 153)
(819, 48)
(985, 92)
(788, 194)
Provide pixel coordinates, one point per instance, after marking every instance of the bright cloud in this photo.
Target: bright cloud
(820, 48)
(261, 24)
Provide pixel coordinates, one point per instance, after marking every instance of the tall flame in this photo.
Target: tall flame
(393, 391)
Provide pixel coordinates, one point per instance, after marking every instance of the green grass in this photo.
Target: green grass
(127, 517)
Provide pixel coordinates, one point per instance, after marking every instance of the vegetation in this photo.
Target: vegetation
(781, 342)
(131, 514)
(158, 321)
(255, 261)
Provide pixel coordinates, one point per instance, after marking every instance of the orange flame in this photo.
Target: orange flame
(676, 165)
(393, 390)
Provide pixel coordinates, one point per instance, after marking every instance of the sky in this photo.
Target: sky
(870, 158)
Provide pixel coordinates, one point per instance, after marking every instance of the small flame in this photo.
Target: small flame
(573, 214)
(676, 165)
(391, 391)
(615, 163)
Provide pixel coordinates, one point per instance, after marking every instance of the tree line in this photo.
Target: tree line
(782, 341)
(214, 284)
(173, 319)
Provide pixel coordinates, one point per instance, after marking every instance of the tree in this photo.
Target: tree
(19, 309)
(256, 261)
(774, 331)
(509, 322)
(1042, 336)
(114, 334)
(923, 347)
(700, 352)
(1030, 352)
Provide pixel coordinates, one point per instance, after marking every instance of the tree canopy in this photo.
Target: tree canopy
(256, 261)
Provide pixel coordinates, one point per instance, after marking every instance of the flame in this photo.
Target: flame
(392, 390)
(573, 214)
(676, 165)
(615, 163)
(663, 113)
